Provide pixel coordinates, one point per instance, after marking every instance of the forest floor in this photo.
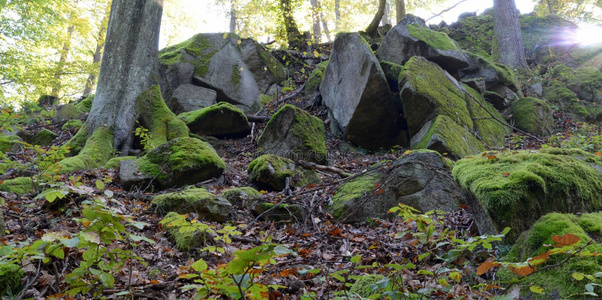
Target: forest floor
(322, 246)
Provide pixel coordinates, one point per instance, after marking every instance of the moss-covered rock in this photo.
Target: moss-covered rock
(43, 138)
(278, 212)
(67, 112)
(19, 186)
(533, 116)
(184, 236)
(427, 91)
(295, 134)
(315, 78)
(176, 163)
(114, 162)
(364, 285)
(269, 172)
(447, 137)
(98, 149)
(241, 196)
(492, 73)
(9, 143)
(489, 124)
(219, 120)
(10, 279)
(194, 200)
(558, 282)
(514, 189)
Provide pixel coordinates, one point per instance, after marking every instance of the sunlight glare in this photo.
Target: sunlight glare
(587, 34)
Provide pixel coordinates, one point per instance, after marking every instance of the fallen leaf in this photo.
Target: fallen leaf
(566, 240)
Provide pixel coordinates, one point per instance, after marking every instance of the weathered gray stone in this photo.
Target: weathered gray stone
(194, 200)
(270, 172)
(219, 120)
(43, 138)
(266, 68)
(189, 97)
(357, 96)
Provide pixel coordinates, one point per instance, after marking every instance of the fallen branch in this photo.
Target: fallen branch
(314, 166)
(258, 119)
(446, 10)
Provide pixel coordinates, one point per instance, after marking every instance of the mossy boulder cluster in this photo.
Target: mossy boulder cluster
(271, 172)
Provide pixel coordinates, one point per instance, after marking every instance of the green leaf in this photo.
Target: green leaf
(589, 287)
(138, 238)
(281, 250)
(356, 259)
(199, 266)
(425, 272)
(505, 231)
(423, 256)
(100, 185)
(578, 276)
(536, 290)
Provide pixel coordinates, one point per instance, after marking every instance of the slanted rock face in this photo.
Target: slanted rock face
(43, 138)
(494, 74)
(269, 172)
(295, 134)
(445, 136)
(189, 97)
(405, 41)
(219, 120)
(217, 62)
(514, 189)
(194, 200)
(420, 179)
(489, 123)
(357, 96)
(558, 281)
(176, 163)
(533, 115)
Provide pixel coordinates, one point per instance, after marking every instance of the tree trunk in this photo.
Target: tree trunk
(386, 16)
(400, 10)
(129, 67)
(550, 9)
(337, 15)
(100, 44)
(315, 16)
(232, 16)
(508, 38)
(372, 29)
(56, 87)
(293, 36)
(325, 26)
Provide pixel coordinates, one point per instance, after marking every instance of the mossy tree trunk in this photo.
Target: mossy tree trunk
(293, 35)
(372, 29)
(128, 89)
(509, 47)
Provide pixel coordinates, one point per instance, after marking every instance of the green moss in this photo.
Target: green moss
(185, 237)
(78, 141)
(450, 139)
(504, 73)
(437, 40)
(221, 119)
(196, 200)
(67, 112)
(518, 187)
(315, 78)
(199, 46)
(158, 119)
(356, 188)
(362, 285)
(265, 99)
(434, 94)
(277, 70)
(191, 117)
(239, 196)
(113, 163)
(557, 280)
(10, 276)
(7, 142)
(490, 131)
(43, 138)
(96, 152)
(235, 80)
(85, 105)
(473, 34)
(533, 115)
(269, 172)
(19, 185)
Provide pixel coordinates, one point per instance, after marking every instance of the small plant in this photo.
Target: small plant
(144, 136)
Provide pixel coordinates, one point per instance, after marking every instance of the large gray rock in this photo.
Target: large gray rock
(219, 120)
(494, 74)
(216, 61)
(295, 134)
(270, 172)
(194, 200)
(420, 179)
(189, 97)
(357, 96)
(403, 42)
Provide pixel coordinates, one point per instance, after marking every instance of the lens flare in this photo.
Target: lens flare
(587, 35)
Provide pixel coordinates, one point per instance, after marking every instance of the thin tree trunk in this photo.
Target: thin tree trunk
(100, 44)
(372, 29)
(129, 67)
(325, 26)
(337, 15)
(232, 16)
(315, 16)
(56, 88)
(509, 42)
(400, 10)
(386, 19)
(293, 35)
(550, 8)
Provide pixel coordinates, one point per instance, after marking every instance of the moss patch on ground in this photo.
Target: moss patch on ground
(10, 278)
(558, 280)
(43, 138)
(516, 188)
(435, 39)
(114, 162)
(19, 186)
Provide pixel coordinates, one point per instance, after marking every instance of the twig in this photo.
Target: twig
(314, 166)
(446, 10)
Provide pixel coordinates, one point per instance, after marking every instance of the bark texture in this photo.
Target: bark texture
(372, 29)
(400, 10)
(509, 42)
(129, 67)
(315, 16)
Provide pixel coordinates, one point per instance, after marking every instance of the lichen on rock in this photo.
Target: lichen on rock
(194, 200)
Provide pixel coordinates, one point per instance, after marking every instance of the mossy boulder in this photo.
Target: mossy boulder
(558, 282)
(10, 278)
(420, 179)
(355, 91)
(183, 235)
(219, 120)
(241, 196)
(514, 189)
(489, 124)
(315, 78)
(211, 59)
(67, 112)
(194, 200)
(19, 186)
(278, 212)
(73, 124)
(270, 172)
(533, 115)
(448, 138)
(406, 41)
(266, 68)
(115, 161)
(177, 163)
(427, 91)
(9, 142)
(295, 134)
(43, 138)
(494, 74)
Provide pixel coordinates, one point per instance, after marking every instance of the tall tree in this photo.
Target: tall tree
(400, 10)
(100, 44)
(315, 16)
(509, 47)
(372, 29)
(232, 16)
